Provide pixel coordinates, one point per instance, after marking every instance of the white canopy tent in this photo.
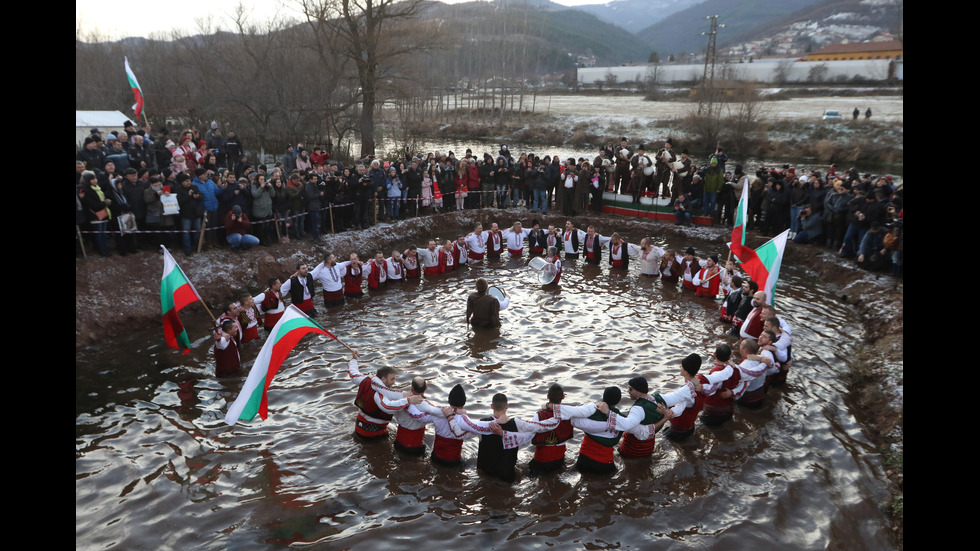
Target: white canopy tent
(106, 121)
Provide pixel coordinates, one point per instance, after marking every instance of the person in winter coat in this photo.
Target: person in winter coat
(262, 193)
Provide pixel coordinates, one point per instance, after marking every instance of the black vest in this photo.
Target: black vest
(296, 288)
(624, 254)
(537, 238)
(596, 250)
(492, 458)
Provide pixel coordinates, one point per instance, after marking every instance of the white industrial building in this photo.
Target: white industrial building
(773, 71)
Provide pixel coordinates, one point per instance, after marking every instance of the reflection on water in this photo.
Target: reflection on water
(156, 467)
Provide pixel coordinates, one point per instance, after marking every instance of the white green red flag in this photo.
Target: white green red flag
(137, 91)
(292, 326)
(763, 264)
(741, 215)
(176, 291)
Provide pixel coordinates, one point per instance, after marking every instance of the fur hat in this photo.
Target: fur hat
(457, 397)
(612, 395)
(691, 364)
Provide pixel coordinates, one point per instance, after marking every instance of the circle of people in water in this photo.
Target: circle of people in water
(764, 350)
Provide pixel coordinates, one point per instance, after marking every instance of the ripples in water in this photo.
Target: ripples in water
(156, 467)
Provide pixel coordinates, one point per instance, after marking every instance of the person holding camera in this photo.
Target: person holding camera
(191, 209)
(811, 227)
(262, 194)
(236, 230)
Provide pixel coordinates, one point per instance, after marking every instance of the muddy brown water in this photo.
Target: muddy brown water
(157, 468)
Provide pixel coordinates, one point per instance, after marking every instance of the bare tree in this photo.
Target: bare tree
(817, 73)
(373, 35)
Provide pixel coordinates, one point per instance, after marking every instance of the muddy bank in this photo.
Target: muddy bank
(117, 293)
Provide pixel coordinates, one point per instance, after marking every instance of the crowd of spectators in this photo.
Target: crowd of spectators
(861, 216)
(140, 191)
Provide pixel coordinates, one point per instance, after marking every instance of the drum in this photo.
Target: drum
(538, 263)
(547, 274)
(546, 270)
(502, 298)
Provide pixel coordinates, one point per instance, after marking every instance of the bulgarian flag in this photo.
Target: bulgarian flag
(763, 263)
(176, 292)
(137, 91)
(738, 232)
(292, 326)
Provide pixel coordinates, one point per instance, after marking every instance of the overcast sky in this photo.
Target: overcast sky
(114, 20)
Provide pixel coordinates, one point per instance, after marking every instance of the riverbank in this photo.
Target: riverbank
(864, 143)
(118, 293)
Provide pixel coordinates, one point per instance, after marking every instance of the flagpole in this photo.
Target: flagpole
(324, 329)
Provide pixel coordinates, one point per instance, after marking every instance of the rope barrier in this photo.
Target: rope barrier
(376, 200)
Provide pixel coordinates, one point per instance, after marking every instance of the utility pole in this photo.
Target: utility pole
(706, 96)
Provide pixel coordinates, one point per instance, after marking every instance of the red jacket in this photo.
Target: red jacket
(236, 226)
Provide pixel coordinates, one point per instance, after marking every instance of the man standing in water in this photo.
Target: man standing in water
(649, 411)
(753, 324)
(482, 309)
(376, 400)
(411, 428)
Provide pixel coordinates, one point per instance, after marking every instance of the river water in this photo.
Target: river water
(157, 468)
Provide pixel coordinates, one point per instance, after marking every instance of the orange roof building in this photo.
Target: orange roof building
(891, 49)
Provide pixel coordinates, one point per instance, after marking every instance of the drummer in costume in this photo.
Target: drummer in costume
(685, 175)
(553, 258)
